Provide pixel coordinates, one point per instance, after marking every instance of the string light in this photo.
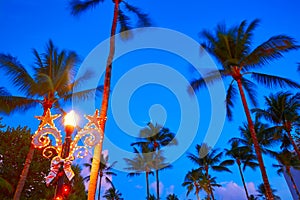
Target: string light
(91, 133)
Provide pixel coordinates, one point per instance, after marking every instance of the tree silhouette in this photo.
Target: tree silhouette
(50, 85)
(77, 7)
(232, 49)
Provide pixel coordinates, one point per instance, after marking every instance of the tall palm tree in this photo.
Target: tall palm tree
(209, 159)
(50, 85)
(232, 49)
(172, 197)
(141, 163)
(159, 163)
(77, 7)
(283, 111)
(287, 160)
(242, 155)
(154, 137)
(113, 194)
(105, 171)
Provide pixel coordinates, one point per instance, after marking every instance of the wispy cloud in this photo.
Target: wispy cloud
(233, 191)
(161, 187)
(139, 186)
(170, 189)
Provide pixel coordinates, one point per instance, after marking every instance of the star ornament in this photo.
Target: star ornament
(93, 119)
(47, 119)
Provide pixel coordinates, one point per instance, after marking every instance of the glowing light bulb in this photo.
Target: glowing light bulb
(70, 122)
(70, 119)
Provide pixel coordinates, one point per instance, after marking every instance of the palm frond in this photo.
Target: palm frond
(6, 186)
(10, 104)
(245, 41)
(143, 19)
(251, 164)
(270, 50)
(209, 78)
(220, 168)
(18, 74)
(250, 89)
(261, 113)
(230, 97)
(211, 41)
(125, 27)
(272, 81)
(79, 6)
(38, 60)
(82, 95)
(227, 163)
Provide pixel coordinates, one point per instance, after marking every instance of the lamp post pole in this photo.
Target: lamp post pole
(64, 154)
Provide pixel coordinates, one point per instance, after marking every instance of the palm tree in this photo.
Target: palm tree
(77, 7)
(242, 155)
(172, 197)
(154, 137)
(50, 85)
(113, 194)
(266, 136)
(232, 48)
(283, 111)
(191, 181)
(197, 180)
(287, 160)
(141, 163)
(104, 171)
(159, 163)
(207, 158)
(262, 192)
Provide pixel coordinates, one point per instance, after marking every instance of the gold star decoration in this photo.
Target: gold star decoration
(47, 119)
(93, 119)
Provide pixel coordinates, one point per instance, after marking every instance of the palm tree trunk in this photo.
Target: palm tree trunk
(157, 184)
(255, 142)
(147, 185)
(104, 106)
(293, 182)
(99, 188)
(46, 105)
(294, 144)
(209, 185)
(211, 191)
(243, 180)
(24, 174)
(197, 195)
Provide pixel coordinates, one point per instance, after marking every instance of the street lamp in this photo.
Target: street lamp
(66, 152)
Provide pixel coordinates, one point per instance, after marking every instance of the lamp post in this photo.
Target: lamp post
(66, 152)
(69, 123)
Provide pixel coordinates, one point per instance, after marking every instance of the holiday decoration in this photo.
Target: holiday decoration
(65, 153)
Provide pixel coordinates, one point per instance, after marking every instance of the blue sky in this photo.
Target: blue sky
(30, 24)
